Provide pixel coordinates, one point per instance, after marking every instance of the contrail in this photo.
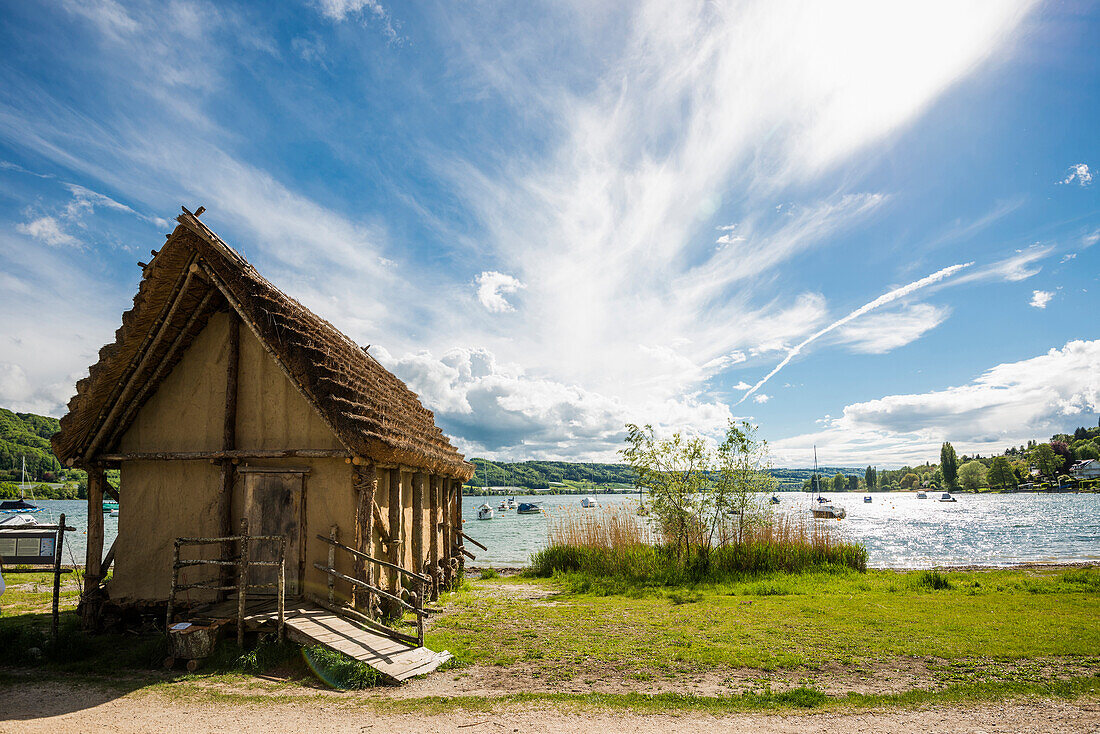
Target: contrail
(880, 301)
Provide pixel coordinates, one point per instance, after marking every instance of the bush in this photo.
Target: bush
(933, 580)
(489, 573)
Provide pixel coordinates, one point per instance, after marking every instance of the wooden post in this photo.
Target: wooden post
(172, 589)
(396, 534)
(93, 557)
(458, 524)
(242, 582)
(433, 539)
(334, 535)
(59, 542)
(418, 522)
(282, 589)
(365, 481)
(229, 442)
(448, 536)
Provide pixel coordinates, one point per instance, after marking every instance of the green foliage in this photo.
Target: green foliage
(840, 482)
(1046, 460)
(909, 481)
(949, 464)
(932, 580)
(972, 475)
(489, 573)
(870, 478)
(26, 435)
(1001, 474)
(546, 474)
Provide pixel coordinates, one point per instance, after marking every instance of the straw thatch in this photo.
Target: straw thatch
(195, 274)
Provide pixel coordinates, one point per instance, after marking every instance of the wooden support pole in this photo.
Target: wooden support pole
(334, 534)
(458, 524)
(433, 539)
(59, 543)
(418, 523)
(448, 535)
(242, 582)
(229, 441)
(93, 557)
(365, 481)
(395, 512)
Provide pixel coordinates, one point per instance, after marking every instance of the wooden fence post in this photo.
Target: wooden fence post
(334, 534)
(418, 522)
(433, 542)
(93, 557)
(242, 582)
(59, 542)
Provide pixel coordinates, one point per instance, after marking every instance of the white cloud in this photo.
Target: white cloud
(1004, 406)
(882, 300)
(884, 332)
(1068, 256)
(1012, 269)
(1078, 172)
(742, 385)
(1040, 299)
(761, 398)
(1091, 239)
(48, 230)
(491, 288)
(341, 10)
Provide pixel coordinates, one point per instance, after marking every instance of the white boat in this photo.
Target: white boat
(18, 521)
(511, 503)
(485, 512)
(922, 496)
(589, 502)
(824, 508)
(867, 498)
(946, 497)
(114, 513)
(502, 506)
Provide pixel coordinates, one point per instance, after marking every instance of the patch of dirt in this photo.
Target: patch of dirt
(54, 707)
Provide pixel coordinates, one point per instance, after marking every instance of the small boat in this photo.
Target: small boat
(114, 513)
(109, 505)
(946, 497)
(502, 506)
(485, 512)
(589, 502)
(774, 500)
(18, 507)
(830, 512)
(867, 498)
(922, 495)
(511, 503)
(18, 521)
(528, 508)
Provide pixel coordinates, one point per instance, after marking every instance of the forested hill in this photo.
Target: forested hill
(27, 435)
(545, 474)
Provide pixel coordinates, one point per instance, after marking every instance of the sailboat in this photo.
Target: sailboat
(824, 508)
(20, 506)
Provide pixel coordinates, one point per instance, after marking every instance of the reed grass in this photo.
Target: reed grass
(612, 542)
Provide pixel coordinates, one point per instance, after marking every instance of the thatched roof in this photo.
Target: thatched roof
(195, 274)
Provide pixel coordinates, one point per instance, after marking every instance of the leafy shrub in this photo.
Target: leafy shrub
(933, 580)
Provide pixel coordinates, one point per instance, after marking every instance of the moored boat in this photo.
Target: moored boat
(830, 512)
(774, 500)
(922, 495)
(589, 502)
(867, 498)
(485, 512)
(18, 507)
(946, 497)
(528, 508)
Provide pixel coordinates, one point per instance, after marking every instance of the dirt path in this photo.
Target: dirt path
(56, 707)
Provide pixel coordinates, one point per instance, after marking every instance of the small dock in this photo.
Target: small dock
(309, 624)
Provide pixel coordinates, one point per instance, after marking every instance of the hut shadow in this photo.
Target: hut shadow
(27, 697)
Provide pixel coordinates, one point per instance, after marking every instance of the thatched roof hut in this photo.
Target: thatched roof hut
(188, 406)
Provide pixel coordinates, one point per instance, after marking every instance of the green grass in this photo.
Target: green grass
(778, 621)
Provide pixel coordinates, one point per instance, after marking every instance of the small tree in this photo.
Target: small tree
(1001, 474)
(949, 463)
(870, 478)
(840, 482)
(972, 475)
(1046, 460)
(909, 481)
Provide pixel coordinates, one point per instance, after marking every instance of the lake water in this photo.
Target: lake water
(899, 530)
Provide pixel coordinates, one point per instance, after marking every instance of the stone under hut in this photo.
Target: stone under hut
(231, 410)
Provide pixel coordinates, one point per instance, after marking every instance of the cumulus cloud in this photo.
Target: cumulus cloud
(884, 332)
(1040, 299)
(1006, 405)
(761, 398)
(491, 288)
(742, 385)
(1078, 172)
(48, 230)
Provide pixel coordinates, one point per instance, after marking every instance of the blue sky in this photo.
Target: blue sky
(866, 226)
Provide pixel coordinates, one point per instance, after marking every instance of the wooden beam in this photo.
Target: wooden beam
(418, 522)
(433, 539)
(479, 545)
(395, 512)
(383, 529)
(365, 484)
(224, 455)
(229, 441)
(93, 558)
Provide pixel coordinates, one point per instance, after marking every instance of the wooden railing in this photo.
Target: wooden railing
(243, 562)
(416, 597)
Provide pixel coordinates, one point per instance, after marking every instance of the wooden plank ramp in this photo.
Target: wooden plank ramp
(309, 624)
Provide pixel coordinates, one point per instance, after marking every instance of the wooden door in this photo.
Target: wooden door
(273, 505)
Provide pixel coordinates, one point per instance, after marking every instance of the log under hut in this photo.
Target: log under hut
(226, 404)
